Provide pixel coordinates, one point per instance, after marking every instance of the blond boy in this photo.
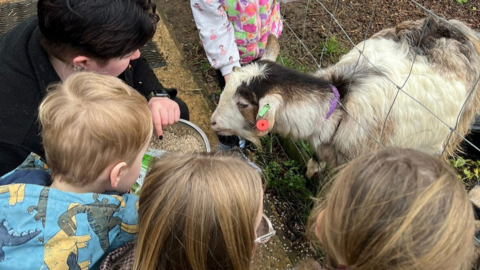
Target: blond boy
(95, 132)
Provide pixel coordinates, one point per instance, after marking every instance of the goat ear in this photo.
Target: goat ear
(272, 49)
(236, 69)
(269, 116)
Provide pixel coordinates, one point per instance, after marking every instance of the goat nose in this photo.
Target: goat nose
(213, 123)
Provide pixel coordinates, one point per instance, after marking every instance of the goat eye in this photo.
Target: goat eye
(242, 105)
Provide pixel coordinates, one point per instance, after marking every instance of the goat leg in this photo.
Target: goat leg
(325, 155)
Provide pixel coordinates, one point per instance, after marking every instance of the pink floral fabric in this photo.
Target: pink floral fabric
(235, 32)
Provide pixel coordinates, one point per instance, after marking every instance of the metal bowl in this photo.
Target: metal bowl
(156, 153)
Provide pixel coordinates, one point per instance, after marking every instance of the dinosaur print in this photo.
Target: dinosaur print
(17, 193)
(100, 218)
(72, 262)
(61, 251)
(41, 207)
(120, 199)
(8, 238)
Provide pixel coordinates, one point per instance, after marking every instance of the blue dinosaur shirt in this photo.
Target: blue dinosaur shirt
(45, 228)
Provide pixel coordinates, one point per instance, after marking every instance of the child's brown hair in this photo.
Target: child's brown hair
(197, 211)
(396, 209)
(89, 122)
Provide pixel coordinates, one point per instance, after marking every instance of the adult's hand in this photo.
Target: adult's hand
(164, 112)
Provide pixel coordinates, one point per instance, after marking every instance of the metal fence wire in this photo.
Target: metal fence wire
(334, 7)
(316, 57)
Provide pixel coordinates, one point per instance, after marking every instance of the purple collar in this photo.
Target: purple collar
(334, 101)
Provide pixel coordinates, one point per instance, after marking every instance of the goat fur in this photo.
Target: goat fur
(436, 63)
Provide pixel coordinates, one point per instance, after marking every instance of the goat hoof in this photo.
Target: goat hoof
(314, 167)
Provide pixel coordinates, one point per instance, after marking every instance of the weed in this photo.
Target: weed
(287, 181)
(333, 49)
(285, 177)
(203, 66)
(461, 2)
(307, 147)
(468, 171)
(287, 61)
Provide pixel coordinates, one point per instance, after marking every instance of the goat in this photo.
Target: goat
(356, 105)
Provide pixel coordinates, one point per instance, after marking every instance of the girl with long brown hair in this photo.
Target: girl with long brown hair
(196, 211)
(395, 209)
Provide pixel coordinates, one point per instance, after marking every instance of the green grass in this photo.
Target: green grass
(468, 171)
(333, 49)
(305, 146)
(285, 177)
(203, 66)
(289, 62)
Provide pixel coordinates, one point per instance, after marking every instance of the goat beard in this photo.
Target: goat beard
(251, 134)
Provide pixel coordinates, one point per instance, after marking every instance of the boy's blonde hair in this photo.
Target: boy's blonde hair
(89, 122)
(197, 211)
(396, 209)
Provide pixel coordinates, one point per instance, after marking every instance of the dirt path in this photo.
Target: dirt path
(175, 74)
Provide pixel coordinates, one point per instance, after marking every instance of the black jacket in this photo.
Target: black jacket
(25, 73)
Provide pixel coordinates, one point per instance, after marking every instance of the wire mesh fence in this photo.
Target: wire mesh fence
(345, 24)
(317, 33)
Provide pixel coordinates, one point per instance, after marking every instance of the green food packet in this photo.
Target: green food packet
(149, 155)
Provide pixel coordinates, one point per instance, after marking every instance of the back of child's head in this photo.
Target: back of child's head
(197, 211)
(396, 209)
(89, 122)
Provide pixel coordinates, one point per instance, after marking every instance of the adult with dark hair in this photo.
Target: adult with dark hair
(69, 36)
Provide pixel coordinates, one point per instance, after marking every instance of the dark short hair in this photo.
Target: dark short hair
(101, 29)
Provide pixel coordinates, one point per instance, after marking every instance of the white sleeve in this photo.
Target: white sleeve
(216, 34)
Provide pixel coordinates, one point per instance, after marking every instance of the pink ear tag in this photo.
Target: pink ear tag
(262, 125)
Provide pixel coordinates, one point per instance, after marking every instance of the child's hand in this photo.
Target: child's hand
(226, 77)
(164, 112)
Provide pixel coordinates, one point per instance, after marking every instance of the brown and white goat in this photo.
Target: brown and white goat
(436, 63)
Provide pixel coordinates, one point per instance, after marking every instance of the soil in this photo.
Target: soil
(308, 25)
(308, 20)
